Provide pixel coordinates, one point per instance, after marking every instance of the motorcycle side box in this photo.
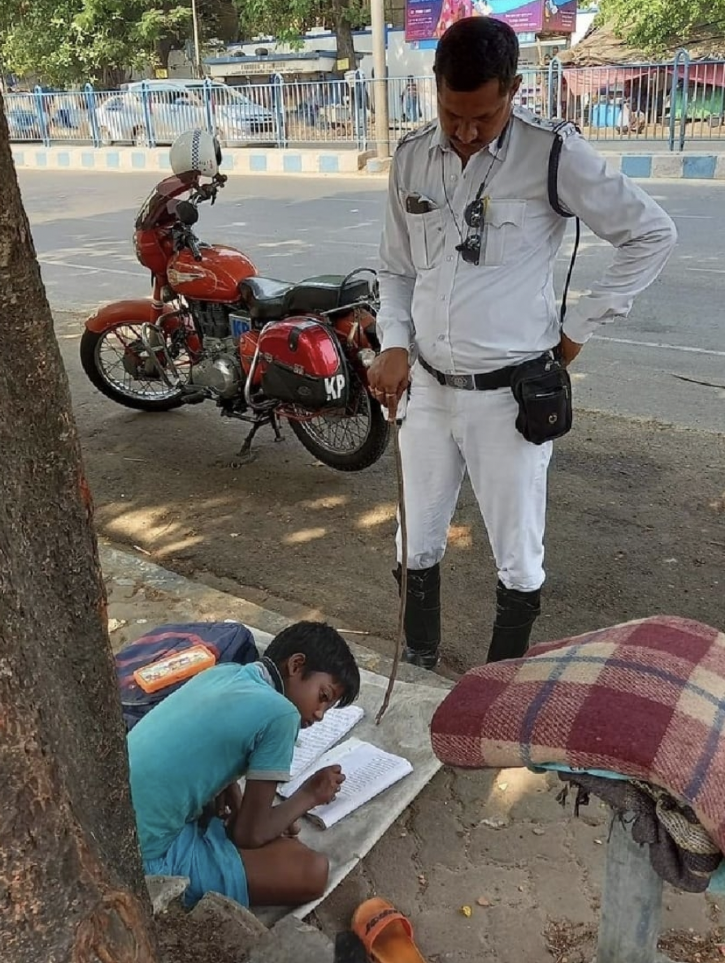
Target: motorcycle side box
(303, 364)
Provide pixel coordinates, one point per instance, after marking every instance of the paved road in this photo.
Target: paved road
(295, 227)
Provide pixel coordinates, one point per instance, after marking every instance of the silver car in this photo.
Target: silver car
(175, 106)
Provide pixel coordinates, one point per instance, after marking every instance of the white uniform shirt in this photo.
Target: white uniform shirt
(464, 318)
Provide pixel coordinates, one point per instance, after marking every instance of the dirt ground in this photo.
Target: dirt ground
(636, 521)
(577, 944)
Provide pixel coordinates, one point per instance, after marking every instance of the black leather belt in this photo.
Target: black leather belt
(500, 378)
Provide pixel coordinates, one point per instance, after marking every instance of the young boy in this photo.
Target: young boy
(232, 721)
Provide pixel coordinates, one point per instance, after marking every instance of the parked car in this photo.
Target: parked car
(59, 114)
(175, 106)
(23, 124)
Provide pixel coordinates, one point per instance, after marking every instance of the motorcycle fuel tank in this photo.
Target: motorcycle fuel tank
(215, 278)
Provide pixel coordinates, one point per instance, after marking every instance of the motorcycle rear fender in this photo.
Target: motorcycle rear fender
(137, 310)
(357, 331)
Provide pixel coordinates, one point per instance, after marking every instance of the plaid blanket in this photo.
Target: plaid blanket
(645, 699)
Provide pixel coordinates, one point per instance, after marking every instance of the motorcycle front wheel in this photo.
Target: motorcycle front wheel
(117, 363)
(347, 443)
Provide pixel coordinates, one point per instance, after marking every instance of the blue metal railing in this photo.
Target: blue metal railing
(675, 102)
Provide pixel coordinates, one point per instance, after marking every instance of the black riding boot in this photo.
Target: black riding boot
(516, 613)
(422, 616)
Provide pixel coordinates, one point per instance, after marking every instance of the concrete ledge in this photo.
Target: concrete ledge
(263, 160)
(270, 160)
(705, 167)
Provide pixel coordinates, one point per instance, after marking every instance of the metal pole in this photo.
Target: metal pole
(631, 903)
(197, 45)
(380, 81)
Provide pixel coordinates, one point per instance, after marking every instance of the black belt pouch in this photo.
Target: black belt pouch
(542, 389)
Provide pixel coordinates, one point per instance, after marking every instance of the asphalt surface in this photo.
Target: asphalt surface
(295, 227)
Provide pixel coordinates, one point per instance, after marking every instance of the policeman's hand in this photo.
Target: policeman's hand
(323, 786)
(569, 350)
(389, 376)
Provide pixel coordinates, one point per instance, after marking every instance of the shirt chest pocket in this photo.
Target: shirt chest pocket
(503, 231)
(426, 238)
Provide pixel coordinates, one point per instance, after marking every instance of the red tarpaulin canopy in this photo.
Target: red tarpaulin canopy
(582, 80)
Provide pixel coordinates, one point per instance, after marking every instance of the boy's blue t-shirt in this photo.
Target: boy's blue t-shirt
(229, 721)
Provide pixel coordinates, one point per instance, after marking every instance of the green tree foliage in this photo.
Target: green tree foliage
(68, 41)
(288, 19)
(655, 25)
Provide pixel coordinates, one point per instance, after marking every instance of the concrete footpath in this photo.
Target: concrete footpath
(488, 865)
(645, 161)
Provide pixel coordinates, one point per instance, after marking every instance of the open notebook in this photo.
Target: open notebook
(368, 772)
(316, 740)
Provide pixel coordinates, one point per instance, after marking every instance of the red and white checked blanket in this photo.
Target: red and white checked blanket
(645, 699)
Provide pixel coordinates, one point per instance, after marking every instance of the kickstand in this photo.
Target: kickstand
(244, 454)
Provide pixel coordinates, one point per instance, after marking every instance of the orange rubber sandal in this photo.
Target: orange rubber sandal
(386, 934)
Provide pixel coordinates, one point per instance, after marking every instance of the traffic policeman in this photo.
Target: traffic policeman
(473, 352)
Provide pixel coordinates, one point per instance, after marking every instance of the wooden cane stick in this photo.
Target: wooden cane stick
(404, 573)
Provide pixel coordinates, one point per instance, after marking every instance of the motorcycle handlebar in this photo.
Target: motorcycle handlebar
(203, 192)
(208, 192)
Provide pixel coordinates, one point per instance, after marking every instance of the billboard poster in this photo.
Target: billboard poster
(560, 16)
(429, 19)
(522, 17)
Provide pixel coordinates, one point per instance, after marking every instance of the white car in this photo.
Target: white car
(175, 106)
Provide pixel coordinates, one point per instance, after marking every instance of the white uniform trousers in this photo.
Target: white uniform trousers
(447, 431)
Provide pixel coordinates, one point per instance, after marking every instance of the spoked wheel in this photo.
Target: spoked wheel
(119, 365)
(346, 442)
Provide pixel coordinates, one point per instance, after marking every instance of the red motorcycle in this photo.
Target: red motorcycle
(262, 349)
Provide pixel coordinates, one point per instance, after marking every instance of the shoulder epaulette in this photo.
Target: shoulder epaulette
(418, 133)
(560, 128)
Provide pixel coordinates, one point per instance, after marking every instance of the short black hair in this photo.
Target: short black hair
(474, 51)
(324, 650)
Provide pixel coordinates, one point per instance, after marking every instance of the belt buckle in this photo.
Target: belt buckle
(461, 381)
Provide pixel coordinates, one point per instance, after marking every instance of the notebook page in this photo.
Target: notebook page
(312, 743)
(368, 771)
(333, 757)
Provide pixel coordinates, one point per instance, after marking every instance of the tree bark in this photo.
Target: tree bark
(71, 882)
(343, 32)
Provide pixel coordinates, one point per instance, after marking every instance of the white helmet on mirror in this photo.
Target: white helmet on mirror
(196, 150)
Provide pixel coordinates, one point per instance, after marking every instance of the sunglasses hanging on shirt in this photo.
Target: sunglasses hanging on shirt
(475, 212)
(475, 218)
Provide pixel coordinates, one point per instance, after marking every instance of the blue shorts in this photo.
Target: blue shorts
(208, 858)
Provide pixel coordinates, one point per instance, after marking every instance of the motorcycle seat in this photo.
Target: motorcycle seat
(268, 300)
(264, 297)
(326, 293)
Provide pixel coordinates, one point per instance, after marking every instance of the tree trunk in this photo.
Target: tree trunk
(164, 46)
(343, 32)
(71, 883)
(113, 77)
